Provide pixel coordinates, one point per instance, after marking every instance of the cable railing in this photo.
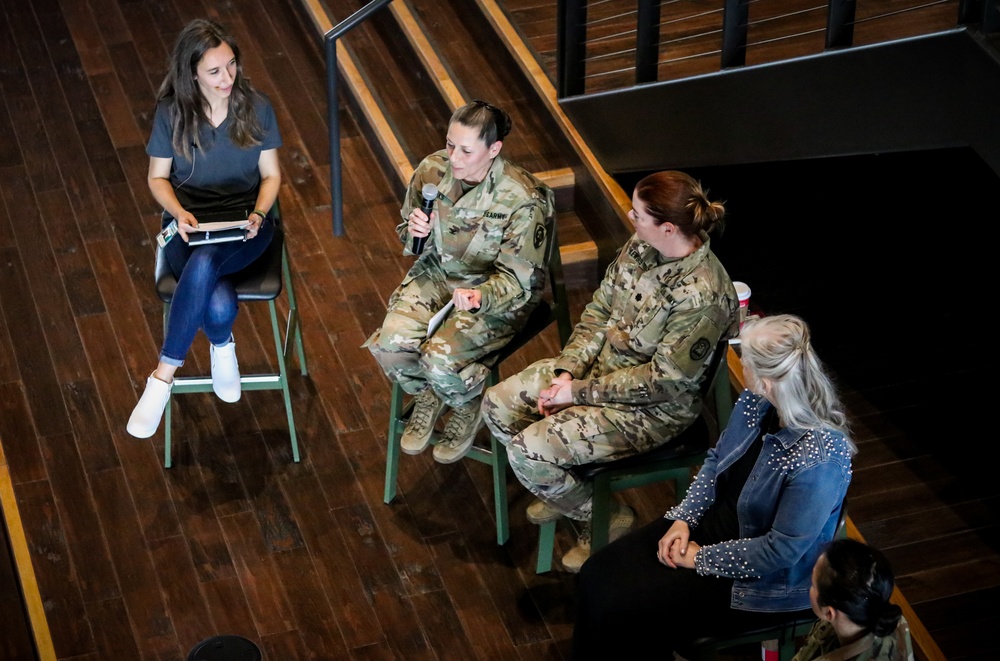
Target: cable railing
(632, 42)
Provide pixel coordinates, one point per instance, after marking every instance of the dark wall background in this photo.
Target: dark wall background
(890, 259)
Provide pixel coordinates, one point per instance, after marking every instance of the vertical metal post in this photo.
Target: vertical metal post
(647, 41)
(969, 11)
(735, 19)
(840, 24)
(991, 16)
(333, 118)
(571, 35)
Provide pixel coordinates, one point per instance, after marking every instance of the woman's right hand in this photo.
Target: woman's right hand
(418, 223)
(558, 396)
(186, 222)
(675, 541)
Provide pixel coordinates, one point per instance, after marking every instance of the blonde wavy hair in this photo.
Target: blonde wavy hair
(778, 349)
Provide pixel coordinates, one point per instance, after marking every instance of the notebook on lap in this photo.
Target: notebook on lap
(220, 226)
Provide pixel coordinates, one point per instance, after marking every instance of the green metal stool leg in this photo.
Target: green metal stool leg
(600, 515)
(546, 547)
(294, 330)
(283, 380)
(167, 459)
(392, 451)
(723, 391)
(500, 489)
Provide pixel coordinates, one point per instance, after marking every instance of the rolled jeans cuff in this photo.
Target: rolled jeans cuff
(171, 361)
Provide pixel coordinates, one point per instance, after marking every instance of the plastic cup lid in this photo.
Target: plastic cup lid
(742, 290)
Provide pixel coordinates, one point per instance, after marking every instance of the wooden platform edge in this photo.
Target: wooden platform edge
(351, 73)
(622, 202)
(921, 638)
(432, 63)
(919, 634)
(22, 564)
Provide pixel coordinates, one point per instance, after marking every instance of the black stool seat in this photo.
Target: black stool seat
(798, 624)
(692, 442)
(260, 281)
(225, 648)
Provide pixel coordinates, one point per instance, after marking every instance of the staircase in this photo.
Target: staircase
(411, 64)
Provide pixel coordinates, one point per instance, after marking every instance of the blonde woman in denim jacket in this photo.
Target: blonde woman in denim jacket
(738, 551)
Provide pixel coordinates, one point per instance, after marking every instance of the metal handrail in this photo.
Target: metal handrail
(572, 35)
(333, 116)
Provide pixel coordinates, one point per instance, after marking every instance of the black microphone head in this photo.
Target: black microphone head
(429, 193)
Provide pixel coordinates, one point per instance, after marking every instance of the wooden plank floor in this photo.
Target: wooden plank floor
(136, 561)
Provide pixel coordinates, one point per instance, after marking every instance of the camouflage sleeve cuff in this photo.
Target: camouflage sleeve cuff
(585, 391)
(571, 366)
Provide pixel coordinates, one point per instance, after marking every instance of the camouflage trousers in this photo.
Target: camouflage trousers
(542, 450)
(451, 360)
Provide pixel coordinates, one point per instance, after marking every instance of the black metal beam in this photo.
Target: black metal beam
(571, 47)
(840, 24)
(647, 41)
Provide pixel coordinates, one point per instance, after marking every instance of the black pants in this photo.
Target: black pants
(628, 603)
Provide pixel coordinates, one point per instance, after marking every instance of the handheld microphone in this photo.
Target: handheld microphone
(429, 193)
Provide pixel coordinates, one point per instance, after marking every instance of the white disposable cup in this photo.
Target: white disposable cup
(743, 292)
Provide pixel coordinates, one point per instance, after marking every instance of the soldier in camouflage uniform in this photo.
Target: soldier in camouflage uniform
(852, 584)
(628, 379)
(486, 243)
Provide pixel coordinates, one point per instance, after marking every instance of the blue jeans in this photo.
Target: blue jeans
(205, 298)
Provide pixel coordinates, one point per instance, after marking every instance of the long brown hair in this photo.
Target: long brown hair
(180, 88)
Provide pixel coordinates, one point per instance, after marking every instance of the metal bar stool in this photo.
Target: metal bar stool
(671, 461)
(496, 455)
(262, 280)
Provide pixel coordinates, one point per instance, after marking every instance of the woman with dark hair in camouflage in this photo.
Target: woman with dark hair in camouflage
(486, 242)
(629, 378)
(852, 584)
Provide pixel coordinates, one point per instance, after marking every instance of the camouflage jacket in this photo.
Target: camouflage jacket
(822, 645)
(647, 335)
(493, 237)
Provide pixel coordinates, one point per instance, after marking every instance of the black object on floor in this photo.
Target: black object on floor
(225, 648)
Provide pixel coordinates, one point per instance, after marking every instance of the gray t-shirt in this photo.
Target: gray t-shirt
(219, 175)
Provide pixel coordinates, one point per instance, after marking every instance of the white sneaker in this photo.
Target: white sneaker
(226, 372)
(146, 415)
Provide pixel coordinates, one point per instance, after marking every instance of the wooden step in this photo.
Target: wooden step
(562, 180)
(619, 201)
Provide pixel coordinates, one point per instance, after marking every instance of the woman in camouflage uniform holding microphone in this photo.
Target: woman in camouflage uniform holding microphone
(484, 252)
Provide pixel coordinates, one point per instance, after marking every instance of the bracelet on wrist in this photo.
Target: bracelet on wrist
(262, 214)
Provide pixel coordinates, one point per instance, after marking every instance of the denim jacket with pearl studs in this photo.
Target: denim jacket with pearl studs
(788, 508)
